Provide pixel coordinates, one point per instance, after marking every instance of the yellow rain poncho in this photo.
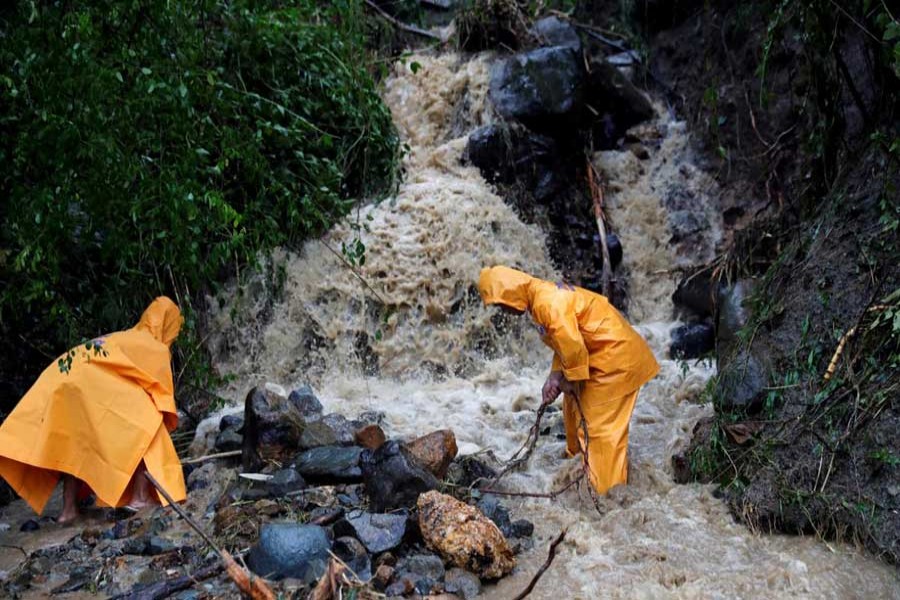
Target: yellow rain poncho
(595, 348)
(97, 417)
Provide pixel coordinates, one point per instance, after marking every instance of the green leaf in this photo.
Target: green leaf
(146, 71)
(414, 67)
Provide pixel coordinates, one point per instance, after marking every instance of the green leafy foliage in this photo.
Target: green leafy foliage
(157, 147)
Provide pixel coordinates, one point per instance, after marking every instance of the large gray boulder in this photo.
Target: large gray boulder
(290, 550)
(330, 464)
(542, 88)
(272, 428)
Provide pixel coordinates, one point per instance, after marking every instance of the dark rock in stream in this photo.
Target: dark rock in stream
(393, 478)
(306, 402)
(272, 428)
(619, 104)
(552, 31)
(434, 451)
(229, 440)
(696, 292)
(377, 532)
(330, 430)
(490, 506)
(330, 464)
(290, 550)
(235, 422)
(692, 340)
(284, 482)
(542, 88)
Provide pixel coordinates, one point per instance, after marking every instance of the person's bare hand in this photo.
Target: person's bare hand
(552, 389)
(567, 387)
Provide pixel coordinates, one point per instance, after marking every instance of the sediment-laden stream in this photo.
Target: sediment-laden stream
(421, 349)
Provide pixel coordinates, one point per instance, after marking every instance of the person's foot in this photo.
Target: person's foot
(67, 516)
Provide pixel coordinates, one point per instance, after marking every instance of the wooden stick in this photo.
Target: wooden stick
(550, 556)
(519, 458)
(200, 459)
(400, 25)
(597, 197)
(253, 586)
(164, 589)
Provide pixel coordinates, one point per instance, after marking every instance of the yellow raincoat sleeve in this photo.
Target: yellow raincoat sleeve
(563, 336)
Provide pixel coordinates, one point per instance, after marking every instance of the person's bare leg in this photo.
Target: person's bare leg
(141, 489)
(70, 500)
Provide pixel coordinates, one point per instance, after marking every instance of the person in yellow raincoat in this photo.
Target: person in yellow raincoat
(599, 363)
(101, 414)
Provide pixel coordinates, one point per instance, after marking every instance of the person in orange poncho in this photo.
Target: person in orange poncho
(599, 363)
(101, 414)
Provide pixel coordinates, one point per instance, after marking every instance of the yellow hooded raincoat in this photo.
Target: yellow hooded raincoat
(113, 408)
(595, 348)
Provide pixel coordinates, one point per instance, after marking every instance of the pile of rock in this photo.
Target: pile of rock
(315, 484)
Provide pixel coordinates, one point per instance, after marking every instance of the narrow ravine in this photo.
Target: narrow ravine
(422, 350)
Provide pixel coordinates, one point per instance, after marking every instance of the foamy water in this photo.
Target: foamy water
(426, 246)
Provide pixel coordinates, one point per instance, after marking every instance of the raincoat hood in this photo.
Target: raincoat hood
(502, 285)
(162, 319)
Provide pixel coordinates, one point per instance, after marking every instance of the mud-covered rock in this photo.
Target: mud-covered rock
(541, 88)
(370, 436)
(377, 532)
(463, 536)
(692, 340)
(330, 464)
(285, 481)
(552, 31)
(434, 451)
(742, 382)
(462, 583)
(393, 478)
(272, 428)
(290, 550)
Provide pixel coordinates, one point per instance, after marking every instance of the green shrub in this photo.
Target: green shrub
(156, 147)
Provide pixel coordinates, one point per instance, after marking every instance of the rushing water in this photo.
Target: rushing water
(441, 363)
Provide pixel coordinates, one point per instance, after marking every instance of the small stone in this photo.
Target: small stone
(330, 430)
(377, 532)
(462, 583)
(893, 490)
(383, 576)
(426, 565)
(305, 400)
(434, 451)
(370, 436)
(522, 528)
(285, 481)
(30, 525)
(353, 553)
(229, 440)
(490, 507)
(330, 463)
(235, 422)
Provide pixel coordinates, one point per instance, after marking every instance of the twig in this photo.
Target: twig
(597, 198)
(401, 25)
(354, 271)
(552, 495)
(519, 458)
(200, 459)
(550, 556)
(164, 589)
(253, 586)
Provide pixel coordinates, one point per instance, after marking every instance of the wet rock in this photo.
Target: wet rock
(509, 153)
(434, 451)
(734, 303)
(290, 550)
(521, 528)
(490, 507)
(464, 536)
(742, 382)
(354, 554)
(330, 464)
(330, 430)
(78, 579)
(148, 545)
(235, 422)
(619, 104)
(462, 583)
(404, 586)
(272, 428)
(685, 224)
(692, 340)
(30, 525)
(370, 436)
(306, 402)
(427, 566)
(285, 481)
(551, 31)
(541, 88)
(696, 292)
(229, 440)
(377, 532)
(393, 479)
(468, 471)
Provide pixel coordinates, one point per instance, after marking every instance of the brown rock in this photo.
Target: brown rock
(434, 451)
(383, 576)
(370, 436)
(464, 536)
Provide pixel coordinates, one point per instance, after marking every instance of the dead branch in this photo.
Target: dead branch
(200, 459)
(552, 495)
(521, 456)
(550, 556)
(832, 364)
(164, 589)
(401, 25)
(252, 586)
(595, 184)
